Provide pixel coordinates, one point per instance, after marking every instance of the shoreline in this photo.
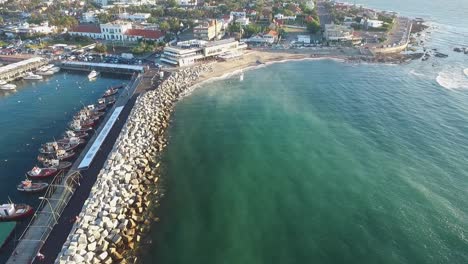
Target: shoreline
(116, 217)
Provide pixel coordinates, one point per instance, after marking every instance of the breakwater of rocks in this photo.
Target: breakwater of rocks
(117, 212)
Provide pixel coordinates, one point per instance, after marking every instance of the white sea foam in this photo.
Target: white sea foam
(465, 71)
(452, 79)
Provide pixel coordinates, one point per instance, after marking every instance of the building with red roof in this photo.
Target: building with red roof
(116, 31)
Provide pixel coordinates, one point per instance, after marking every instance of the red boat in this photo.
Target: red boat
(110, 92)
(40, 173)
(57, 164)
(15, 212)
(30, 187)
(60, 155)
(70, 134)
(52, 147)
(77, 126)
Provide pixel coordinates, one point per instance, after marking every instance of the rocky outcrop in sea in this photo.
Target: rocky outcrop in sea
(117, 212)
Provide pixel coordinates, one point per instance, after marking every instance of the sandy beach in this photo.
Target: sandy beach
(253, 58)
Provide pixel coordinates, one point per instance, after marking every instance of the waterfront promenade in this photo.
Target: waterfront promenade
(64, 203)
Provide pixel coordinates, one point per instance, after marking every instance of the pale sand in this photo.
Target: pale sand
(252, 58)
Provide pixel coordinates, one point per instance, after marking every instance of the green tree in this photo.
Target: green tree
(104, 17)
(313, 26)
(252, 29)
(100, 48)
(164, 26)
(152, 20)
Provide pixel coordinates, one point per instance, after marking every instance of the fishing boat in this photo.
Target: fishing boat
(72, 141)
(108, 100)
(15, 212)
(120, 86)
(81, 135)
(40, 173)
(96, 107)
(110, 92)
(60, 155)
(8, 87)
(52, 147)
(75, 126)
(86, 122)
(93, 75)
(56, 164)
(32, 76)
(30, 187)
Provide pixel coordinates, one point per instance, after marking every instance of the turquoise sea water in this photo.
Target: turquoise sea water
(38, 112)
(324, 162)
(366, 167)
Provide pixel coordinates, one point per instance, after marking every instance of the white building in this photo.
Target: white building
(244, 21)
(372, 23)
(338, 33)
(268, 38)
(239, 14)
(303, 38)
(188, 2)
(283, 17)
(121, 31)
(138, 17)
(189, 52)
(115, 30)
(89, 17)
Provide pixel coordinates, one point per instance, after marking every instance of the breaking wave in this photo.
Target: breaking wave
(453, 79)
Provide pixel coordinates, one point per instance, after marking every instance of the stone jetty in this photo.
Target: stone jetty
(117, 212)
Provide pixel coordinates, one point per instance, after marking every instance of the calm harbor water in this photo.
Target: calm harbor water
(324, 162)
(38, 112)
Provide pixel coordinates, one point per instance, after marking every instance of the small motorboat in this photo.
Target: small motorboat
(8, 87)
(93, 75)
(110, 92)
(32, 76)
(15, 212)
(70, 134)
(55, 69)
(40, 173)
(30, 187)
(2, 82)
(45, 72)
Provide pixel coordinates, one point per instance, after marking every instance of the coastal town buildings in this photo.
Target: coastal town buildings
(188, 2)
(28, 29)
(303, 38)
(209, 30)
(335, 32)
(189, 52)
(137, 17)
(268, 38)
(371, 23)
(116, 31)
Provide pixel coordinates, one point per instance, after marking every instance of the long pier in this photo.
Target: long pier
(16, 70)
(51, 213)
(101, 67)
